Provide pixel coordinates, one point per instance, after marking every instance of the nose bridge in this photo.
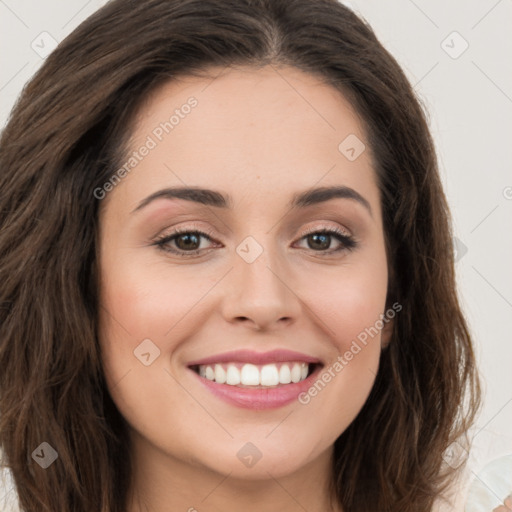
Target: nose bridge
(258, 266)
(260, 290)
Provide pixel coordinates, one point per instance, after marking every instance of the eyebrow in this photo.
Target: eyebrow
(214, 198)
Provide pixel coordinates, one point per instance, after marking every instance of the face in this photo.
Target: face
(232, 345)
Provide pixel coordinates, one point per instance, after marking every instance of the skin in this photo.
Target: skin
(506, 507)
(259, 135)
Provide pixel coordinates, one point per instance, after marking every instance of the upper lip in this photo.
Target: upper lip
(249, 356)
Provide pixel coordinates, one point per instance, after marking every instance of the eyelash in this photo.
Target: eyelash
(348, 243)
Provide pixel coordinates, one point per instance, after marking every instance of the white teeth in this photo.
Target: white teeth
(233, 375)
(269, 375)
(285, 376)
(250, 376)
(255, 375)
(220, 374)
(296, 373)
(209, 374)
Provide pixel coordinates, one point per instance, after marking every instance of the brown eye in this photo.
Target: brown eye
(183, 242)
(320, 241)
(188, 241)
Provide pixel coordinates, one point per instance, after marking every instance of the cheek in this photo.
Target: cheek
(149, 301)
(351, 309)
(143, 301)
(143, 316)
(351, 301)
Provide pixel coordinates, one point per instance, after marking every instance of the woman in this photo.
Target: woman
(227, 270)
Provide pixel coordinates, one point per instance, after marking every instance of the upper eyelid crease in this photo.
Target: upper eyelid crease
(214, 198)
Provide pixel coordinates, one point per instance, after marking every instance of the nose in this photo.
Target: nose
(261, 295)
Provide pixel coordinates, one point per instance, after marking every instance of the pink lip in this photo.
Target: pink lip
(249, 356)
(259, 398)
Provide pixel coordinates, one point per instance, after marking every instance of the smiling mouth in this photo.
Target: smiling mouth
(256, 376)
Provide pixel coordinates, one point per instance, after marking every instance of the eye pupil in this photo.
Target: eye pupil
(325, 240)
(187, 237)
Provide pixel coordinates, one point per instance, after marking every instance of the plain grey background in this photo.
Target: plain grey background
(458, 56)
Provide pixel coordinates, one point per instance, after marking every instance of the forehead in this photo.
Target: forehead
(270, 98)
(248, 131)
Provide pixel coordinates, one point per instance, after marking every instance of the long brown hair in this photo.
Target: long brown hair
(66, 136)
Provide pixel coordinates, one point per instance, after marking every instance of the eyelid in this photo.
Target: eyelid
(188, 227)
(211, 233)
(341, 234)
(315, 229)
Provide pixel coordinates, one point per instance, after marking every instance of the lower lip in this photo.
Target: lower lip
(259, 398)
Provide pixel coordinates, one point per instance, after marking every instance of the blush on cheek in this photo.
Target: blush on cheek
(349, 312)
